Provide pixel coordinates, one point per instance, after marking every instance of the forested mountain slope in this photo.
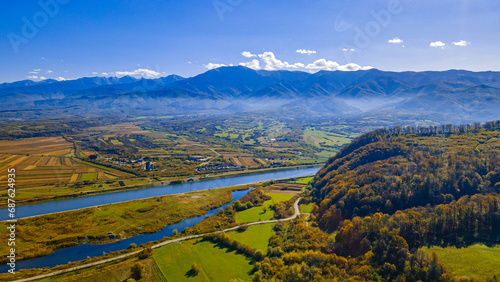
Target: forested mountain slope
(386, 195)
(390, 170)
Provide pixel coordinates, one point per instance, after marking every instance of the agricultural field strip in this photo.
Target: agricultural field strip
(295, 205)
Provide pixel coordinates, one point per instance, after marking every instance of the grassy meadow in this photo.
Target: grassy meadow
(256, 236)
(477, 261)
(215, 264)
(258, 213)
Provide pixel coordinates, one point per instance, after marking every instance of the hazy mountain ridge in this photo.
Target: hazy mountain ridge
(239, 89)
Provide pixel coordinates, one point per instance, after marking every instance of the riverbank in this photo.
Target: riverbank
(109, 198)
(149, 183)
(108, 223)
(31, 275)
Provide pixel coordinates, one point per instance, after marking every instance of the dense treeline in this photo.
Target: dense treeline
(383, 172)
(468, 220)
(392, 240)
(284, 209)
(254, 198)
(223, 240)
(225, 218)
(301, 253)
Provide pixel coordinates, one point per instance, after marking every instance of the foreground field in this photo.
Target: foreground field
(477, 261)
(256, 236)
(112, 272)
(263, 212)
(215, 263)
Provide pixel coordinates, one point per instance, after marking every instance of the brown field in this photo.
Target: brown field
(67, 162)
(243, 161)
(51, 146)
(32, 171)
(247, 162)
(74, 177)
(290, 192)
(235, 161)
(281, 144)
(121, 128)
(89, 153)
(85, 170)
(288, 186)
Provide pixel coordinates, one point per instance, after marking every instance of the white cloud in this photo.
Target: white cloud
(60, 78)
(189, 62)
(105, 73)
(138, 72)
(395, 40)
(254, 64)
(35, 71)
(323, 64)
(437, 44)
(49, 71)
(211, 66)
(268, 61)
(348, 50)
(43, 78)
(303, 51)
(272, 63)
(461, 43)
(248, 54)
(32, 77)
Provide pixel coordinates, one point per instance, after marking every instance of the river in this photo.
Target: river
(116, 197)
(81, 252)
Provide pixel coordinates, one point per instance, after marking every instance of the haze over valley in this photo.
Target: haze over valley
(253, 141)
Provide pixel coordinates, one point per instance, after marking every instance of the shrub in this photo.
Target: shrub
(138, 270)
(259, 255)
(242, 228)
(195, 269)
(147, 252)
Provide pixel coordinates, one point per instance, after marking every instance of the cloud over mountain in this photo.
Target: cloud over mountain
(138, 72)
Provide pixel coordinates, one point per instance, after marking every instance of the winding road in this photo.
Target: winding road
(295, 206)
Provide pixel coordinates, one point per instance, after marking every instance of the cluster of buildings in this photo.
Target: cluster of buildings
(219, 167)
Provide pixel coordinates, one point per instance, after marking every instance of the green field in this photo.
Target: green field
(477, 261)
(257, 213)
(306, 208)
(304, 180)
(319, 137)
(89, 176)
(256, 236)
(215, 264)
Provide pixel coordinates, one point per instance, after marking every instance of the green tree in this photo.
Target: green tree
(138, 270)
(195, 269)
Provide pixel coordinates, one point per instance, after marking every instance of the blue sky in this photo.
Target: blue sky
(67, 39)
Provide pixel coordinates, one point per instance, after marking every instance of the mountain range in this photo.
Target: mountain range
(226, 90)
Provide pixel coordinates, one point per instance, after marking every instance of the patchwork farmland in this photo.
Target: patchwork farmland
(48, 161)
